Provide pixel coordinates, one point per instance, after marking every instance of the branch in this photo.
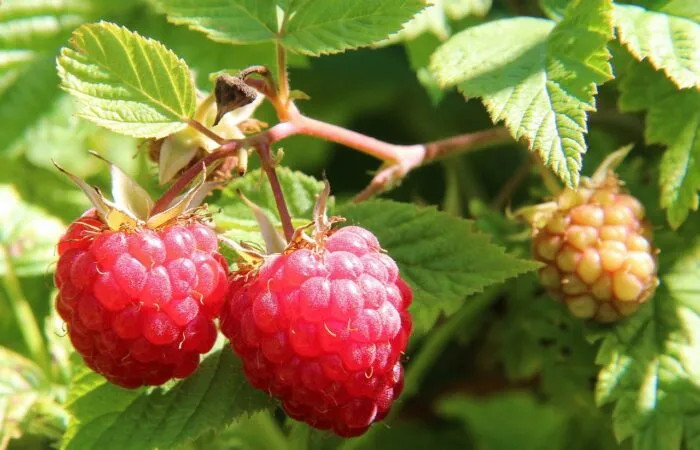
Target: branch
(366, 144)
(399, 159)
(424, 154)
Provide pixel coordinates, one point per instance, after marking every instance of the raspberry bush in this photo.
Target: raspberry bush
(199, 250)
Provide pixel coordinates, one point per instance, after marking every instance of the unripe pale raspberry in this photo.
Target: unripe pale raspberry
(600, 261)
(139, 305)
(323, 330)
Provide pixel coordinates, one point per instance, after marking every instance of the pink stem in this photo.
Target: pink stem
(366, 144)
(464, 143)
(400, 159)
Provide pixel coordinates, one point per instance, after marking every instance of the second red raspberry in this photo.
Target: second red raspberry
(323, 329)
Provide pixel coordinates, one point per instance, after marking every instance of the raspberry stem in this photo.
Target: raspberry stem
(269, 168)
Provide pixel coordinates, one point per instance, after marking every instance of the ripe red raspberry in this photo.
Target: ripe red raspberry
(139, 305)
(597, 248)
(323, 329)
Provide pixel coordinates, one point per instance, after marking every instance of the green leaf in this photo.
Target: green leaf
(202, 54)
(317, 27)
(673, 119)
(106, 417)
(509, 421)
(127, 83)
(259, 431)
(234, 21)
(27, 234)
(650, 364)
(238, 220)
(670, 43)
(537, 77)
(440, 256)
(310, 27)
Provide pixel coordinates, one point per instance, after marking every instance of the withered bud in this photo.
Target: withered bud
(231, 93)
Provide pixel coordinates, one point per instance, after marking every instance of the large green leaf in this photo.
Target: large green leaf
(650, 361)
(322, 27)
(235, 21)
(107, 417)
(127, 83)
(537, 77)
(669, 42)
(673, 119)
(203, 55)
(311, 27)
(442, 257)
(28, 236)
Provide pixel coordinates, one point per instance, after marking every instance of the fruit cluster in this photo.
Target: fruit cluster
(597, 249)
(321, 326)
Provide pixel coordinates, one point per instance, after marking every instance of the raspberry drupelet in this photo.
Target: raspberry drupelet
(323, 328)
(139, 304)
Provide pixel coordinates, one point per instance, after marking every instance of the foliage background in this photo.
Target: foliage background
(504, 368)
